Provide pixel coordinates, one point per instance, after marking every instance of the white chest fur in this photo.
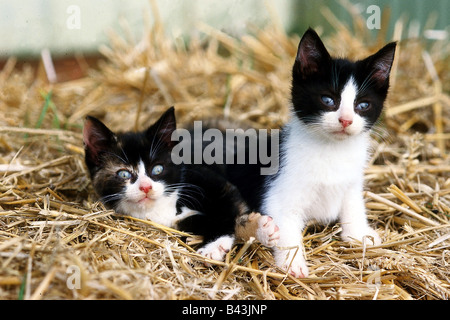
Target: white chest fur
(315, 174)
(162, 211)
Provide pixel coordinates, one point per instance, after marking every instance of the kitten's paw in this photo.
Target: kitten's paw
(368, 235)
(373, 238)
(255, 225)
(217, 249)
(268, 232)
(296, 267)
(292, 261)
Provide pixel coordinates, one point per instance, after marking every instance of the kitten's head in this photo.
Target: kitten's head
(338, 98)
(132, 170)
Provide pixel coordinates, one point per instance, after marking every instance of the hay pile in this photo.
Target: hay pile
(58, 242)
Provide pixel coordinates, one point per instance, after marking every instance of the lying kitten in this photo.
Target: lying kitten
(133, 173)
(323, 150)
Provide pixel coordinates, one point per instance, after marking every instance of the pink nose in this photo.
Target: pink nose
(345, 123)
(145, 187)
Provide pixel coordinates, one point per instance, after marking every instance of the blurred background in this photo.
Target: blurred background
(66, 27)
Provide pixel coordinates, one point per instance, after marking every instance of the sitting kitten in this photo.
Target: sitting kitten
(323, 149)
(133, 173)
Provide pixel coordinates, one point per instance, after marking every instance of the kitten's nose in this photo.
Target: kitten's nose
(345, 123)
(145, 187)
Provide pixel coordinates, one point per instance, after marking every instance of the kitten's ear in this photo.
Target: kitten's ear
(164, 127)
(311, 55)
(380, 64)
(97, 138)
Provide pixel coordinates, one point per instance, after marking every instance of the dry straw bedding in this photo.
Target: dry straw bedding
(52, 227)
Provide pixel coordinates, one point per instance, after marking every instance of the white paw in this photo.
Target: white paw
(368, 235)
(217, 249)
(268, 232)
(296, 267)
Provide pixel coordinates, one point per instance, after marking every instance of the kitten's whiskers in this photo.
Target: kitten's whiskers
(112, 197)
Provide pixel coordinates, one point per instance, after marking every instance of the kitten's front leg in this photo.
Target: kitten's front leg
(217, 249)
(288, 254)
(353, 219)
(261, 227)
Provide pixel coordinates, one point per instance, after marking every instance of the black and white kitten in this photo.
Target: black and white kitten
(133, 173)
(323, 150)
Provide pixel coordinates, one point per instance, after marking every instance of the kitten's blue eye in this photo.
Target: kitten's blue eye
(362, 106)
(124, 174)
(158, 169)
(328, 101)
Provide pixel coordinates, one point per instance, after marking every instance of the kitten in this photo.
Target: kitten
(133, 173)
(323, 149)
